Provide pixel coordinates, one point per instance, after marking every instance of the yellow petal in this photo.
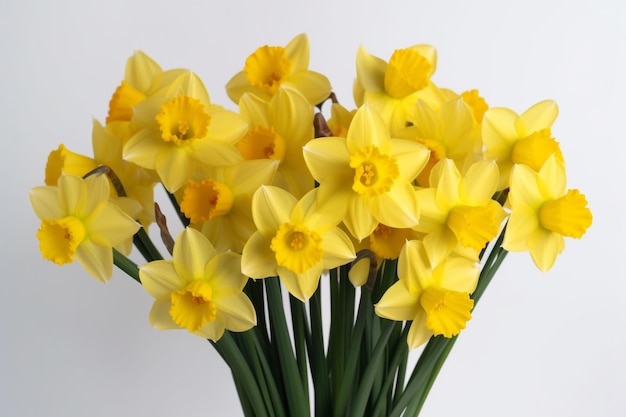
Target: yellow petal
(224, 270)
(46, 203)
(397, 208)
(553, 174)
(111, 226)
(97, 260)
(303, 285)
(327, 156)
(398, 303)
(480, 182)
(418, 333)
(160, 317)
(226, 126)
(338, 249)
(544, 246)
(238, 312)
(368, 128)
(460, 275)
(98, 192)
(411, 157)
(72, 194)
(140, 70)
(540, 116)
(312, 85)
(359, 221)
(257, 259)
(175, 167)
(292, 116)
(192, 251)
(143, 147)
(159, 279)
(297, 50)
(254, 110)
(238, 85)
(370, 71)
(271, 207)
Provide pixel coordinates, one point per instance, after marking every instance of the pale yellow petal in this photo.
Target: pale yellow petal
(398, 303)
(525, 188)
(480, 182)
(540, 116)
(431, 215)
(410, 156)
(224, 270)
(338, 249)
(213, 330)
(140, 70)
(359, 221)
(46, 203)
(160, 317)
(226, 126)
(522, 223)
(97, 260)
(544, 246)
(215, 153)
(313, 85)
(553, 174)
(111, 226)
(192, 251)
(368, 128)
(247, 176)
(439, 244)
(254, 110)
(397, 208)
(271, 207)
(302, 286)
(414, 266)
(445, 177)
(143, 147)
(97, 192)
(72, 194)
(175, 167)
(238, 312)
(460, 275)
(189, 84)
(159, 278)
(257, 259)
(297, 50)
(418, 333)
(499, 132)
(370, 71)
(292, 117)
(238, 85)
(327, 156)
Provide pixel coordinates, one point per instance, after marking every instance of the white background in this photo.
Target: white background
(538, 345)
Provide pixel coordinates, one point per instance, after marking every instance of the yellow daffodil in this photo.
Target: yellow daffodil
(277, 130)
(445, 132)
(271, 68)
(199, 289)
(387, 242)
(294, 240)
(367, 175)
(458, 210)
(180, 131)
(543, 212)
(78, 221)
(393, 88)
(340, 119)
(220, 204)
(432, 292)
(526, 139)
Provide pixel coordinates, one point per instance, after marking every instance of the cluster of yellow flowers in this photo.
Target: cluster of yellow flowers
(417, 173)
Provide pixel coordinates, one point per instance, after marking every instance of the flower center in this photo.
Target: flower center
(374, 173)
(476, 103)
(568, 215)
(183, 119)
(296, 247)
(262, 143)
(533, 150)
(447, 312)
(474, 226)
(267, 68)
(206, 200)
(193, 307)
(58, 239)
(387, 242)
(437, 153)
(121, 104)
(407, 72)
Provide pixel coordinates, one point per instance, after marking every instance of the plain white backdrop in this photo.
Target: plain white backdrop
(539, 344)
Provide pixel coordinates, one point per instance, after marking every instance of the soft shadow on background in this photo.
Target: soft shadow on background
(538, 344)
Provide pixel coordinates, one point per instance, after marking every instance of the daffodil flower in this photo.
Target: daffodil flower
(294, 241)
(271, 68)
(432, 292)
(220, 205)
(277, 130)
(392, 88)
(180, 131)
(79, 222)
(458, 210)
(367, 175)
(199, 289)
(543, 212)
(526, 139)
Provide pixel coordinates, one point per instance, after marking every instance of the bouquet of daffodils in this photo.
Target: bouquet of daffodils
(386, 221)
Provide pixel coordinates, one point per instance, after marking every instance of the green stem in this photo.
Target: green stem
(296, 400)
(374, 366)
(229, 351)
(318, 362)
(300, 335)
(126, 265)
(145, 245)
